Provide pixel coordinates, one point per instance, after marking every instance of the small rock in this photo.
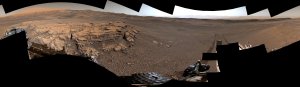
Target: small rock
(130, 39)
(161, 43)
(129, 63)
(127, 34)
(135, 31)
(118, 48)
(125, 51)
(155, 42)
(131, 45)
(82, 39)
(89, 51)
(168, 45)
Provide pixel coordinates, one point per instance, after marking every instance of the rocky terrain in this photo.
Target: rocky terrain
(130, 44)
(82, 39)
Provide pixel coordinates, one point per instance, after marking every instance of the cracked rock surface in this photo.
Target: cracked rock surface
(84, 39)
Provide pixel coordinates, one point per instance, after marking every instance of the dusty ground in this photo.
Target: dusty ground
(161, 45)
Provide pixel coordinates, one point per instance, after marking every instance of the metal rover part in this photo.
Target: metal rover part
(150, 78)
(195, 69)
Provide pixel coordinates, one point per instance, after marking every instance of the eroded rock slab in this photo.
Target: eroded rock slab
(85, 39)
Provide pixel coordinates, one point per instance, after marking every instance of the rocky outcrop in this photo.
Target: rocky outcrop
(85, 39)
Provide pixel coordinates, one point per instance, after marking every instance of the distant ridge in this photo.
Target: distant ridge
(36, 11)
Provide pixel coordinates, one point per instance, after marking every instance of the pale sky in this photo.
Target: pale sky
(1, 11)
(146, 10)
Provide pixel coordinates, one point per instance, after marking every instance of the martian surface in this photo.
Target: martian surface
(127, 44)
